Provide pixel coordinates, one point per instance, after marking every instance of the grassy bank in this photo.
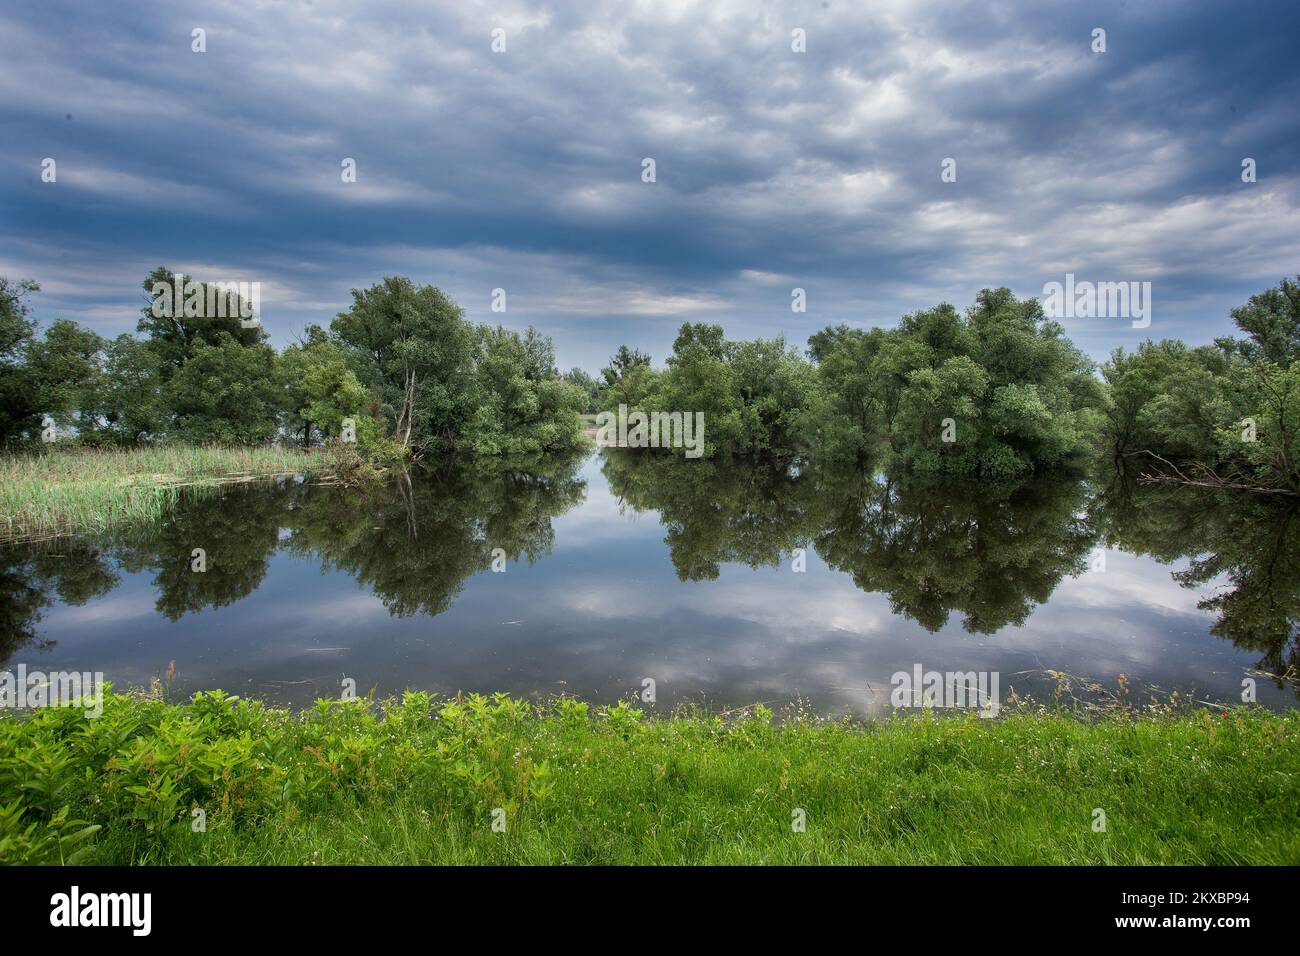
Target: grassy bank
(417, 781)
(72, 490)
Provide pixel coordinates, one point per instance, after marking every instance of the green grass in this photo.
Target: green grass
(416, 781)
(74, 490)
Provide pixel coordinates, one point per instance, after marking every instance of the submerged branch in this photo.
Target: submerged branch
(1207, 479)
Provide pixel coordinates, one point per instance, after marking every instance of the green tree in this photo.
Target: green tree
(18, 406)
(1263, 435)
(319, 390)
(939, 426)
(628, 378)
(128, 404)
(854, 398)
(224, 397)
(225, 393)
(591, 388)
(1165, 397)
(413, 345)
(55, 374)
(1225, 415)
(201, 314)
(775, 383)
(64, 369)
(998, 392)
(700, 378)
(1272, 322)
(524, 407)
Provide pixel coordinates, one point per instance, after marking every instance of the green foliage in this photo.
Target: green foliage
(56, 374)
(997, 393)
(319, 390)
(859, 378)
(700, 379)
(445, 384)
(752, 394)
(525, 408)
(418, 780)
(1164, 396)
(65, 369)
(628, 378)
(623, 719)
(32, 842)
(173, 329)
(224, 394)
(1271, 320)
(128, 404)
(1230, 412)
(413, 345)
(774, 383)
(590, 387)
(1269, 396)
(402, 363)
(16, 330)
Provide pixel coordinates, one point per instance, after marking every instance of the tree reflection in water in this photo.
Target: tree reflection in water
(988, 552)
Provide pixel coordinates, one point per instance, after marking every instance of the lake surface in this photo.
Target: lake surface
(625, 565)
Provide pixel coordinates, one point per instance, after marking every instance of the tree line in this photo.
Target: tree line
(995, 392)
(402, 365)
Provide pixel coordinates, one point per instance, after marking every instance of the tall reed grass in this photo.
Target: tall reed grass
(76, 490)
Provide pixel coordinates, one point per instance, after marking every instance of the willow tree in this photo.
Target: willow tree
(413, 345)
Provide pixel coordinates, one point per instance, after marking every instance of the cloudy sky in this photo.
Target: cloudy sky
(775, 169)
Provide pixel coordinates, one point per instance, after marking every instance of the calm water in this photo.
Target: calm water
(624, 566)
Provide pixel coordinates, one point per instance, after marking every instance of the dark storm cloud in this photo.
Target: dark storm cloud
(775, 169)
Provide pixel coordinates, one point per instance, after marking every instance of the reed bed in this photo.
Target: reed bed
(80, 490)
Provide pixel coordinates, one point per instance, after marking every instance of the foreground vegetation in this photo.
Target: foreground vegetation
(221, 780)
(73, 490)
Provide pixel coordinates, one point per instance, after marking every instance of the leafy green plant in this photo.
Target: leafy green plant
(416, 780)
(26, 841)
(623, 719)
